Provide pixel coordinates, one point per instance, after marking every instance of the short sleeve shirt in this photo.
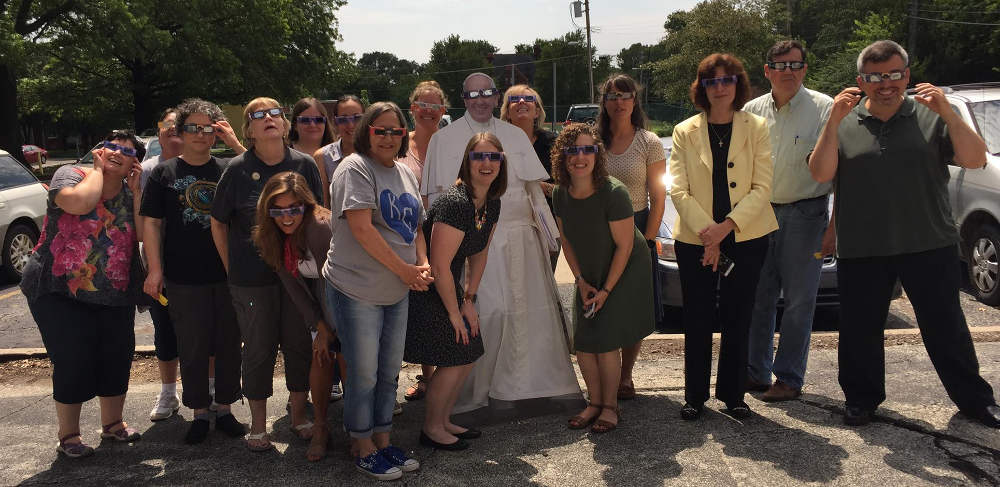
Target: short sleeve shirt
(91, 257)
(235, 204)
(630, 166)
(393, 195)
(181, 195)
(891, 184)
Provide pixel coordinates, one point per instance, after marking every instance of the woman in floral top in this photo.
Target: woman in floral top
(82, 282)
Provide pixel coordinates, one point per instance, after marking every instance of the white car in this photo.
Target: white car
(23, 202)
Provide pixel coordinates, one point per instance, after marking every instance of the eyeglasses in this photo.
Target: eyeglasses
(428, 106)
(720, 81)
(194, 128)
(346, 119)
(286, 212)
(577, 149)
(126, 151)
(518, 98)
(311, 120)
(166, 124)
(786, 65)
(387, 131)
(617, 95)
(484, 156)
(259, 114)
(488, 92)
(879, 77)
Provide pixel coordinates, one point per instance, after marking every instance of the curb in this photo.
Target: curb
(11, 354)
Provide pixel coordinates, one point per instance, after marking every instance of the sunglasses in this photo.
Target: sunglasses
(785, 65)
(346, 119)
(517, 98)
(484, 156)
(286, 212)
(387, 131)
(879, 77)
(720, 81)
(273, 112)
(616, 95)
(488, 92)
(169, 124)
(311, 120)
(194, 128)
(428, 106)
(577, 149)
(126, 151)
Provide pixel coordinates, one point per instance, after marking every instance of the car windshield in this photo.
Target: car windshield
(583, 113)
(13, 173)
(153, 149)
(987, 115)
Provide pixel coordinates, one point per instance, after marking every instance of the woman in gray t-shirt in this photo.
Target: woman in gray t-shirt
(377, 255)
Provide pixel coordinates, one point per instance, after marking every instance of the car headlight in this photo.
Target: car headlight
(665, 249)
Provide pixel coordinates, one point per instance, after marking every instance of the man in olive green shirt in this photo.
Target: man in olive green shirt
(889, 154)
(795, 116)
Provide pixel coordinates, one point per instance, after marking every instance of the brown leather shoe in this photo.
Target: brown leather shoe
(780, 391)
(754, 386)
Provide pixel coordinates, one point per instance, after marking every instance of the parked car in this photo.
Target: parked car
(153, 148)
(22, 213)
(975, 193)
(586, 113)
(88, 157)
(34, 154)
(445, 120)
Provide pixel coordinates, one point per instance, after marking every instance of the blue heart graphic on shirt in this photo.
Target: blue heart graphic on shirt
(401, 213)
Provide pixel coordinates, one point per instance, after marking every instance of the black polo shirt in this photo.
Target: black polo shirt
(892, 183)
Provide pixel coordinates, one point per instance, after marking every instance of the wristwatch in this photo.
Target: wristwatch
(469, 297)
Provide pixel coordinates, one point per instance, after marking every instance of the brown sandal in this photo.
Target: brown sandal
(579, 422)
(417, 391)
(626, 391)
(601, 426)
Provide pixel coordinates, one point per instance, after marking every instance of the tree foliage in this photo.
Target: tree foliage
(568, 55)
(452, 59)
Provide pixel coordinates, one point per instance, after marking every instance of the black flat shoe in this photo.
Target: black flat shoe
(197, 432)
(469, 434)
(988, 416)
(738, 411)
(228, 424)
(857, 416)
(691, 413)
(459, 444)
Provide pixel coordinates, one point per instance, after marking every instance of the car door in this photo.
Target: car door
(21, 195)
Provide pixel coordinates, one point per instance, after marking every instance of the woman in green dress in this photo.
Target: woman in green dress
(609, 257)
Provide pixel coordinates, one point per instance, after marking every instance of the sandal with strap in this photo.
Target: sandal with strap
(301, 430)
(74, 450)
(417, 391)
(125, 434)
(601, 426)
(579, 422)
(259, 437)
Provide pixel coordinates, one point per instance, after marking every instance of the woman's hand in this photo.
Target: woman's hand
(711, 257)
(714, 234)
(228, 136)
(586, 290)
(470, 313)
(461, 334)
(321, 345)
(599, 298)
(133, 178)
(153, 285)
(100, 158)
(417, 277)
(547, 188)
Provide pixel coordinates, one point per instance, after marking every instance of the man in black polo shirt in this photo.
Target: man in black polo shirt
(889, 156)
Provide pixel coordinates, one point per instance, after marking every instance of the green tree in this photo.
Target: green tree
(387, 77)
(452, 59)
(839, 69)
(568, 55)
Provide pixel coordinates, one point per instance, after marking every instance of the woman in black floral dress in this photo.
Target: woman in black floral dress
(443, 325)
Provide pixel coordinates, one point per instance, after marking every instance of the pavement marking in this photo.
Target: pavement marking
(10, 294)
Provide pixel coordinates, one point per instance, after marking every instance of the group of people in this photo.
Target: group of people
(352, 243)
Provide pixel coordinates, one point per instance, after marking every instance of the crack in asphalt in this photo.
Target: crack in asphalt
(40, 399)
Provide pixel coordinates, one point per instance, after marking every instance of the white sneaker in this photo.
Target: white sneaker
(398, 409)
(336, 393)
(166, 406)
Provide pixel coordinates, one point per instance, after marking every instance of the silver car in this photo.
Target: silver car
(22, 213)
(975, 193)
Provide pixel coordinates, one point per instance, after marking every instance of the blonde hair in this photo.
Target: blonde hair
(517, 89)
(257, 104)
(429, 87)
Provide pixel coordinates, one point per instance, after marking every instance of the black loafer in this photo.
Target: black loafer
(858, 416)
(989, 416)
(459, 444)
(197, 432)
(228, 424)
(469, 434)
(738, 411)
(691, 413)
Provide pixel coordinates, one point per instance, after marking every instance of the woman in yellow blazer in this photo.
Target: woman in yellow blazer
(721, 168)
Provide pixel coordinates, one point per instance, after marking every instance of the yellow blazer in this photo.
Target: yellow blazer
(750, 169)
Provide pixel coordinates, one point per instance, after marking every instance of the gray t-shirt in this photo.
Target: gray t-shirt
(358, 183)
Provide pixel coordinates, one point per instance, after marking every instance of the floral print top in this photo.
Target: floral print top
(92, 257)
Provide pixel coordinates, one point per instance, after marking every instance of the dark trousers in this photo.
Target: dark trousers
(735, 301)
(640, 218)
(204, 321)
(931, 280)
(164, 337)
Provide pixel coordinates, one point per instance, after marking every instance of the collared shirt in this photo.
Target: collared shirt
(795, 128)
(892, 183)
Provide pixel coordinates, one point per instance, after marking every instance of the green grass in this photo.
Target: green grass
(661, 128)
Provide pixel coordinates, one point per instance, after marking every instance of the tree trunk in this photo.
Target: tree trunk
(10, 131)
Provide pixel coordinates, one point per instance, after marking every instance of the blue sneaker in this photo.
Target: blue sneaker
(376, 465)
(397, 457)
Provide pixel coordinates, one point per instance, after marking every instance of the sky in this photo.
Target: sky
(381, 25)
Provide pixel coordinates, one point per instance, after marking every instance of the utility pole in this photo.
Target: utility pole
(912, 44)
(582, 8)
(555, 111)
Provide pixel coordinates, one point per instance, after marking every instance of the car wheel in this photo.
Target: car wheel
(983, 251)
(17, 247)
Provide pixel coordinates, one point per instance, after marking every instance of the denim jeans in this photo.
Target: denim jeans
(372, 339)
(790, 265)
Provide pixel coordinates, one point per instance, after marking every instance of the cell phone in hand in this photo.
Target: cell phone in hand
(725, 265)
(591, 310)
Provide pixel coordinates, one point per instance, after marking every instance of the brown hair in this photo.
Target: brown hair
(567, 138)
(782, 47)
(303, 105)
(362, 137)
(706, 70)
(505, 114)
(268, 238)
(499, 185)
(257, 104)
(625, 84)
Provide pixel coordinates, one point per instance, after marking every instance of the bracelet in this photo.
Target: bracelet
(469, 297)
(606, 290)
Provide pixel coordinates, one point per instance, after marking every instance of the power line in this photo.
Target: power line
(549, 60)
(959, 11)
(953, 21)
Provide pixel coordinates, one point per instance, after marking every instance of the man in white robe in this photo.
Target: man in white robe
(524, 336)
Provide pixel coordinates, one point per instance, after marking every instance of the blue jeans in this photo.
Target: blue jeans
(790, 265)
(372, 339)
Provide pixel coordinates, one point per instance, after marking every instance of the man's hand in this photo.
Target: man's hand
(843, 103)
(933, 97)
